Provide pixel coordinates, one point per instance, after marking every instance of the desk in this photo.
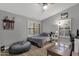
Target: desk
(58, 51)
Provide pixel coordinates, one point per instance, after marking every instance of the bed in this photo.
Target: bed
(40, 39)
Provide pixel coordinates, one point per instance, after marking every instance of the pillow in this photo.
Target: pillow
(44, 34)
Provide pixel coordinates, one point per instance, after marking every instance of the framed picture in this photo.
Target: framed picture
(8, 24)
(64, 15)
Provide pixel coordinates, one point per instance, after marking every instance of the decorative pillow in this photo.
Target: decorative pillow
(44, 34)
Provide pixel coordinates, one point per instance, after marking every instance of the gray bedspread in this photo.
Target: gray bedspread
(39, 40)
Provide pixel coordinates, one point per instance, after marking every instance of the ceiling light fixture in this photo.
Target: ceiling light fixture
(45, 5)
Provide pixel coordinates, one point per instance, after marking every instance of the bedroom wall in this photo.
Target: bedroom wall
(49, 24)
(19, 33)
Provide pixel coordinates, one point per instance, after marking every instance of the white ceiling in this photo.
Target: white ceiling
(34, 10)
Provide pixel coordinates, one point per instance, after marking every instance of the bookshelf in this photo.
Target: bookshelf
(64, 27)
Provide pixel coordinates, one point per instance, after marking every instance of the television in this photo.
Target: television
(77, 32)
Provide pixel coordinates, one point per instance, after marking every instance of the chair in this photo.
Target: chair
(19, 47)
(72, 42)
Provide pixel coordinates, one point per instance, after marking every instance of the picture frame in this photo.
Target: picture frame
(64, 15)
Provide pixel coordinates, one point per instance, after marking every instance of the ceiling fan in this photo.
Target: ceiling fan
(45, 5)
